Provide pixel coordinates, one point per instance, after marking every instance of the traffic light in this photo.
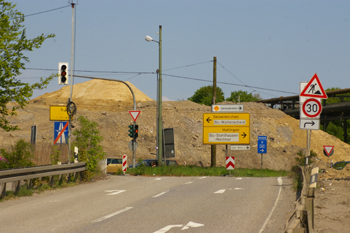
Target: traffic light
(131, 131)
(63, 73)
(136, 131)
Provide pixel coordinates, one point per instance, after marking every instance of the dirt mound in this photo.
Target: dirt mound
(336, 174)
(94, 93)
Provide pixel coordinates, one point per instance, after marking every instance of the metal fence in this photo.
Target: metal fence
(27, 174)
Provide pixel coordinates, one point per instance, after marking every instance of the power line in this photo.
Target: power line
(47, 11)
(200, 63)
(233, 84)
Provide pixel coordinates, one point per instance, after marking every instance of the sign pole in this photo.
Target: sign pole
(261, 161)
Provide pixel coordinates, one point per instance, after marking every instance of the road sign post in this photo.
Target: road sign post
(262, 147)
(328, 151)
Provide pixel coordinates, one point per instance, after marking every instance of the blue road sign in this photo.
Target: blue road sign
(262, 144)
(60, 132)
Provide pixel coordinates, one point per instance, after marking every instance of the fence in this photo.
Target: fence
(18, 175)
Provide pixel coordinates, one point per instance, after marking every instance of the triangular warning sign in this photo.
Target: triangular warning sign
(328, 149)
(134, 114)
(314, 89)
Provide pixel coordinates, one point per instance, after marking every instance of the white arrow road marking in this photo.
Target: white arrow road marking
(113, 214)
(239, 178)
(167, 228)
(114, 192)
(238, 188)
(192, 224)
(160, 194)
(221, 191)
(280, 181)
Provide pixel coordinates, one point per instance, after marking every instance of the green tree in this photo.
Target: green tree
(339, 98)
(13, 44)
(204, 95)
(20, 155)
(88, 140)
(243, 96)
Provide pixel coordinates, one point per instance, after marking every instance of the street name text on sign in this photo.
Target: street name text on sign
(262, 144)
(58, 113)
(240, 147)
(230, 163)
(226, 128)
(227, 108)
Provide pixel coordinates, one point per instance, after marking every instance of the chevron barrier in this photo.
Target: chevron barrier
(230, 163)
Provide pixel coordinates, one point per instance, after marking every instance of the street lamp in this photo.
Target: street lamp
(159, 96)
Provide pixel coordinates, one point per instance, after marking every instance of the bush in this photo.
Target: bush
(20, 155)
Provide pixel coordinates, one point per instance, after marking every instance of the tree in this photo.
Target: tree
(88, 141)
(243, 96)
(204, 95)
(13, 44)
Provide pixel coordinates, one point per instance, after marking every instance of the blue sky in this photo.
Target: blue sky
(267, 46)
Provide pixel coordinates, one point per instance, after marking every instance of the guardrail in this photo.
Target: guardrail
(302, 219)
(18, 175)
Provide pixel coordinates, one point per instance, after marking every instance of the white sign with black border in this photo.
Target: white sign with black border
(310, 123)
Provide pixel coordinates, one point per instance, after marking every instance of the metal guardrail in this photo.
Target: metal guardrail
(302, 218)
(18, 175)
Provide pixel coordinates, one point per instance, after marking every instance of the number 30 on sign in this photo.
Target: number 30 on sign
(312, 108)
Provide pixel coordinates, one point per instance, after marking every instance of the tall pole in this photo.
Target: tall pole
(71, 84)
(213, 147)
(160, 123)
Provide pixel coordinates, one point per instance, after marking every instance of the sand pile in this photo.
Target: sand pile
(94, 93)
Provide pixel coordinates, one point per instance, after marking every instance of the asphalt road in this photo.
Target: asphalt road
(155, 204)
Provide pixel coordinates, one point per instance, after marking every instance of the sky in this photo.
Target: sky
(262, 47)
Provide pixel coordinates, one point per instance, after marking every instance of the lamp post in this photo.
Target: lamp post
(160, 122)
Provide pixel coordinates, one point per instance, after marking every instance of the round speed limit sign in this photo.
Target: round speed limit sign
(312, 108)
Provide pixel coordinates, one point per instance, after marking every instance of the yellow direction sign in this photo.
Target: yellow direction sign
(58, 113)
(226, 128)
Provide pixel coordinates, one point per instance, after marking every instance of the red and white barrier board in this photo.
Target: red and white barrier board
(125, 158)
(230, 163)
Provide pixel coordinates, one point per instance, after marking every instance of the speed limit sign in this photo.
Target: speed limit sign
(312, 108)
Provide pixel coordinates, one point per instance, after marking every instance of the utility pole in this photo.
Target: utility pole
(213, 147)
(70, 103)
(160, 117)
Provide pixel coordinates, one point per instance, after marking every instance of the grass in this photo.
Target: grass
(204, 171)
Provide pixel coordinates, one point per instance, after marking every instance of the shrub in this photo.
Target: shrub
(20, 155)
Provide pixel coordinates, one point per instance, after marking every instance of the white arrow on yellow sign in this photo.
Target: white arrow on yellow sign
(226, 128)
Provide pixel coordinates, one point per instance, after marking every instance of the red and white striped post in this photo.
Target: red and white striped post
(125, 158)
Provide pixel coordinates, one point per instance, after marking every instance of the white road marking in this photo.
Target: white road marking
(192, 224)
(113, 214)
(157, 178)
(160, 194)
(188, 225)
(203, 177)
(167, 228)
(189, 182)
(114, 192)
(239, 178)
(238, 188)
(221, 191)
(280, 181)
